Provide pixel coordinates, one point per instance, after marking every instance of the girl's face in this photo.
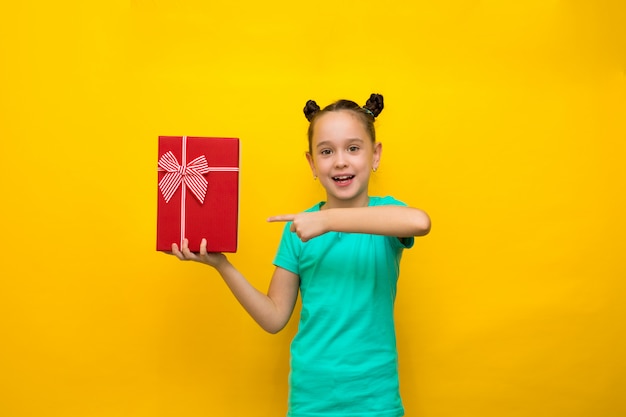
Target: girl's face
(343, 157)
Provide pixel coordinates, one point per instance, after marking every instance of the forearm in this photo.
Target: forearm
(399, 221)
(269, 314)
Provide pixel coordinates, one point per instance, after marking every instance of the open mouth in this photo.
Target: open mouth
(343, 179)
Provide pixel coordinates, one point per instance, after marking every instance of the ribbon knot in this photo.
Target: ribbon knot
(191, 175)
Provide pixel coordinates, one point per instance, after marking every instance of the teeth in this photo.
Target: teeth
(342, 178)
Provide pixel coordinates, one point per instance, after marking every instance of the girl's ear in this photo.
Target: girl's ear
(378, 150)
(309, 158)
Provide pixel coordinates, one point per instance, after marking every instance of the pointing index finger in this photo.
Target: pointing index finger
(282, 218)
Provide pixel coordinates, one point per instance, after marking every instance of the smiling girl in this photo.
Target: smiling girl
(343, 256)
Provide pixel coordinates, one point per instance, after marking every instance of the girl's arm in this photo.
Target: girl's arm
(399, 221)
(272, 310)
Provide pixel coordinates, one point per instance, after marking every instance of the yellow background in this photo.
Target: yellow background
(504, 120)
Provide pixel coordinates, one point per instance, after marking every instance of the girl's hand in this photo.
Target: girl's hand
(210, 258)
(306, 225)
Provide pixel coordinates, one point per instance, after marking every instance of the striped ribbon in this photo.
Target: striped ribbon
(188, 174)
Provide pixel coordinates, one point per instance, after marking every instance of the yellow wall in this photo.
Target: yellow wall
(504, 120)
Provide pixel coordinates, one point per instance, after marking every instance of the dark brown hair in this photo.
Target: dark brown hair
(367, 114)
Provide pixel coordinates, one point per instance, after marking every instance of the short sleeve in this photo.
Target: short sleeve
(288, 253)
(404, 242)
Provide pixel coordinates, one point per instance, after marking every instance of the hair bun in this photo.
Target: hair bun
(375, 104)
(310, 109)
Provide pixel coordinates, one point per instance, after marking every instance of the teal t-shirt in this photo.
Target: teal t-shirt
(343, 358)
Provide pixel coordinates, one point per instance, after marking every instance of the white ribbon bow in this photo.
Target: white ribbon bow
(190, 174)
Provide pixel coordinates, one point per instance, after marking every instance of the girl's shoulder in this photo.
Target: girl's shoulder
(385, 201)
(316, 207)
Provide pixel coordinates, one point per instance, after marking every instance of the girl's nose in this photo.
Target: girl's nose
(340, 160)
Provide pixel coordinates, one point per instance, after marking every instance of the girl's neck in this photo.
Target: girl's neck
(331, 203)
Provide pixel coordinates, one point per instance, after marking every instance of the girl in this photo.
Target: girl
(343, 255)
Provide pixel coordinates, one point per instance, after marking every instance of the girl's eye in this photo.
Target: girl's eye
(325, 152)
(353, 148)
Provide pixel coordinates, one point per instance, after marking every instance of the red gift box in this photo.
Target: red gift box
(198, 192)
